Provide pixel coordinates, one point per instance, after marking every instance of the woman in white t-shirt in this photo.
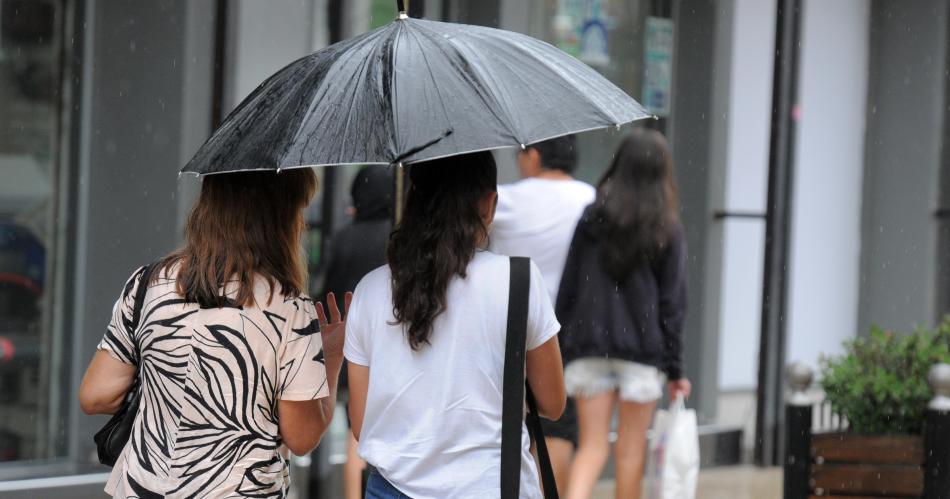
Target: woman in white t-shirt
(425, 340)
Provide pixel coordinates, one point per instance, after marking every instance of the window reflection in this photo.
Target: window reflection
(29, 67)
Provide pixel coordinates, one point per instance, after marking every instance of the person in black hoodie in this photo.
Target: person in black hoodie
(622, 302)
(354, 251)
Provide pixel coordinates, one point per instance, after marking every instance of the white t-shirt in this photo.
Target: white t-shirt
(432, 425)
(536, 218)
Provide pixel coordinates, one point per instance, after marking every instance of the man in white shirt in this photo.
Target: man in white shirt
(536, 217)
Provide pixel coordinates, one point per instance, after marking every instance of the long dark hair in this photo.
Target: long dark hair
(437, 237)
(637, 205)
(244, 225)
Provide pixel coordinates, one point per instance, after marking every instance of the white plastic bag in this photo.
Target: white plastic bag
(674, 453)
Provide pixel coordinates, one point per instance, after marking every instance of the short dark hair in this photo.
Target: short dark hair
(558, 153)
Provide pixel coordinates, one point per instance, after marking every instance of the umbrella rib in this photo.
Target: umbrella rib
(392, 90)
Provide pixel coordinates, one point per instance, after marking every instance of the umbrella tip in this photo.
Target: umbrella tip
(403, 15)
(523, 147)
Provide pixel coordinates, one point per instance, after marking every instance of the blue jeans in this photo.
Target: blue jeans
(378, 488)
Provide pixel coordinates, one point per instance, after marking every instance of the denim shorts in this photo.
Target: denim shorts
(592, 376)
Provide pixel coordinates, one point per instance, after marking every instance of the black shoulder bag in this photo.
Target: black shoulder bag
(515, 389)
(111, 439)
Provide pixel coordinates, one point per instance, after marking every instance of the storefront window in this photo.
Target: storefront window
(31, 366)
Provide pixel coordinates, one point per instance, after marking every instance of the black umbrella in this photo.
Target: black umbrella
(410, 91)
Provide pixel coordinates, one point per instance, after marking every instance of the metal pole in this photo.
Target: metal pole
(221, 17)
(937, 436)
(400, 196)
(797, 432)
(777, 228)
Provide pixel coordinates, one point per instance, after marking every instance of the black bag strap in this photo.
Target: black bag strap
(513, 391)
(544, 460)
(139, 303)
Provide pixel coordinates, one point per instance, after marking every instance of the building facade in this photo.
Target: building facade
(102, 102)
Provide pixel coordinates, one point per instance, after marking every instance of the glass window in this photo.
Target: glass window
(31, 369)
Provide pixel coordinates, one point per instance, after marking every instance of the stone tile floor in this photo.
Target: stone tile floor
(728, 482)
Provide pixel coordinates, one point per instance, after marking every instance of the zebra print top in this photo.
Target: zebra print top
(211, 379)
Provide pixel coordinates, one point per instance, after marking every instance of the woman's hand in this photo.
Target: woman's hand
(679, 386)
(302, 423)
(332, 331)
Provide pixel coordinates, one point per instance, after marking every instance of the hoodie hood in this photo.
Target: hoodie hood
(372, 193)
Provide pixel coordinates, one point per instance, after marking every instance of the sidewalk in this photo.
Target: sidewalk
(733, 482)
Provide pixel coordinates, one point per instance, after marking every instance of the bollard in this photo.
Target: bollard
(797, 431)
(937, 435)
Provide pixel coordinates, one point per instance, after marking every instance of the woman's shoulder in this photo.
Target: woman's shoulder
(378, 279)
(156, 272)
(486, 260)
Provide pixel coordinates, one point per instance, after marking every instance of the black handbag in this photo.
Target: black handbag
(113, 437)
(515, 390)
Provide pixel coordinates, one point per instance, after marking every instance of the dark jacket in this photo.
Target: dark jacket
(640, 319)
(360, 247)
(355, 250)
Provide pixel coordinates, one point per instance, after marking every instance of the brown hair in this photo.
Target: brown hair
(244, 225)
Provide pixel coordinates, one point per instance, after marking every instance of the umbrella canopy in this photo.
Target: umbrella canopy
(410, 91)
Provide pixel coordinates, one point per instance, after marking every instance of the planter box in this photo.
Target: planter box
(872, 466)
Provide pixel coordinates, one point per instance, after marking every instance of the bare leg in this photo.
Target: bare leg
(631, 447)
(593, 418)
(561, 452)
(353, 471)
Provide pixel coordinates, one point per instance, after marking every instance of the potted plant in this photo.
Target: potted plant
(879, 385)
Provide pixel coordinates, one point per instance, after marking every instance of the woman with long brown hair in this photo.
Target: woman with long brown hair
(622, 301)
(235, 363)
(425, 343)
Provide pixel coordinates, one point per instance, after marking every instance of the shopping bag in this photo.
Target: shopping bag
(674, 453)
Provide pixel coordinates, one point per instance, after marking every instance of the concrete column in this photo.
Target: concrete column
(131, 112)
(698, 85)
(905, 123)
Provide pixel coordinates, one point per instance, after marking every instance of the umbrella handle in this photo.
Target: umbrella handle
(401, 6)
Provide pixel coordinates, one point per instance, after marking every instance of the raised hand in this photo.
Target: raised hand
(332, 331)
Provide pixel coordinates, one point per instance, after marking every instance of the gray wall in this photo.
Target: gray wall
(903, 160)
(943, 219)
(691, 142)
(132, 114)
